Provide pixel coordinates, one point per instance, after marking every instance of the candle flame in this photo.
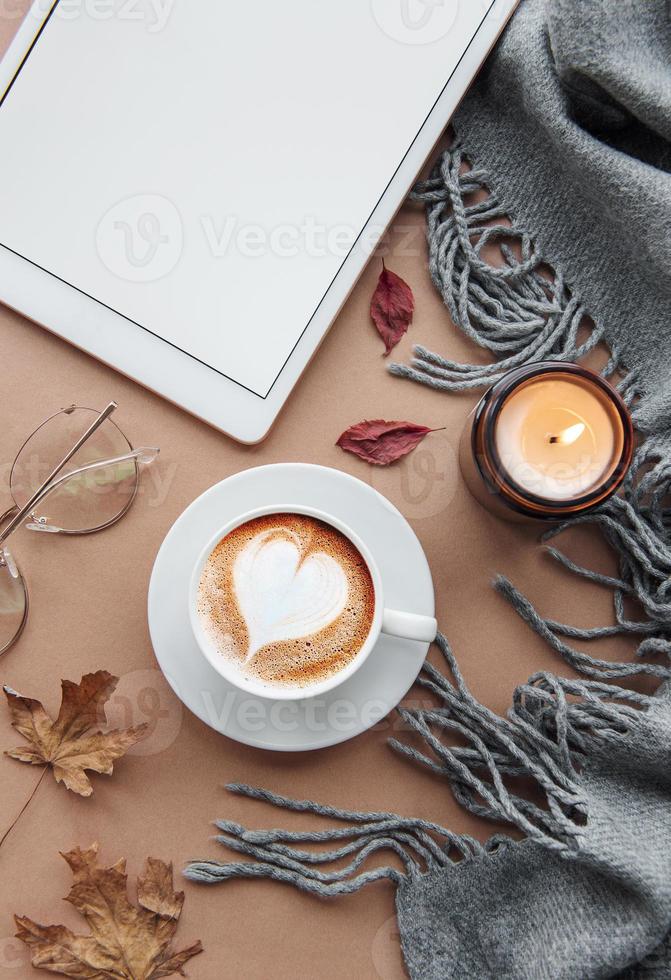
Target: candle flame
(568, 436)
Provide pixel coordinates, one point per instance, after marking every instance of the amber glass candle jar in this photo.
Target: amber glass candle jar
(548, 441)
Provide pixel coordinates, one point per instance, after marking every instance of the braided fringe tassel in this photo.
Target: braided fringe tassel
(512, 310)
(637, 525)
(418, 843)
(552, 724)
(551, 727)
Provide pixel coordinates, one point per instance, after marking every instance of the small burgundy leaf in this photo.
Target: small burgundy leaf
(380, 442)
(391, 307)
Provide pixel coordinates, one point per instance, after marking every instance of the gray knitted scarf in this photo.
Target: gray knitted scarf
(568, 129)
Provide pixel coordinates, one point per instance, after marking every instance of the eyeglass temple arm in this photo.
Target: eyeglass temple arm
(145, 454)
(26, 509)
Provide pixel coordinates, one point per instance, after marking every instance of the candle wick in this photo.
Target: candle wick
(568, 436)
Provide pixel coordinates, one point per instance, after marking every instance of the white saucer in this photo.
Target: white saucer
(313, 723)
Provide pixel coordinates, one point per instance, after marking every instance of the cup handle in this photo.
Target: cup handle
(409, 626)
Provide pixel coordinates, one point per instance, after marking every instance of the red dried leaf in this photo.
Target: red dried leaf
(391, 307)
(380, 442)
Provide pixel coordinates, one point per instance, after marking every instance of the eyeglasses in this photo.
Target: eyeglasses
(92, 495)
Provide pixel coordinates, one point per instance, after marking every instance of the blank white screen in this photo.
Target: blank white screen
(206, 179)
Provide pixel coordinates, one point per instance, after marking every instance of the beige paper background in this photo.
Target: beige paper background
(89, 612)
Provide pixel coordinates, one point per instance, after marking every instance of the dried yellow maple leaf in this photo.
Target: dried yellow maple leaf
(68, 744)
(126, 942)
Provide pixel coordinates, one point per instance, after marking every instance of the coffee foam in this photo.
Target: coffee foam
(287, 598)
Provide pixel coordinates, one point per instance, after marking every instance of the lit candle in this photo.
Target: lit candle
(548, 440)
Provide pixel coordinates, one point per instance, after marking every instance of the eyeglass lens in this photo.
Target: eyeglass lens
(88, 501)
(13, 601)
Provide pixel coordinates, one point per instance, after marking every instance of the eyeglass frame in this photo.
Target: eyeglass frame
(16, 514)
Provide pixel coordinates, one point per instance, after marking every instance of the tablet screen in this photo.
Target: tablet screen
(204, 168)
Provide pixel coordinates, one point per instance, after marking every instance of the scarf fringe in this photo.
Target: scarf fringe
(546, 734)
(515, 310)
(419, 844)
(520, 315)
(637, 526)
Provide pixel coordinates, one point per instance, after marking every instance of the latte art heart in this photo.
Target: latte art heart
(283, 596)
(286, 599)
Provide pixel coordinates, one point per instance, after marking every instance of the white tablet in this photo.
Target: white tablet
(190, 188)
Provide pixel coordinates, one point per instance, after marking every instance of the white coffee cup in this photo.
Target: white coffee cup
(405, 625)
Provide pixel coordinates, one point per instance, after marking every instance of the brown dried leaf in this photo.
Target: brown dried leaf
(127, 942)
(68, 745)
(380, 442)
